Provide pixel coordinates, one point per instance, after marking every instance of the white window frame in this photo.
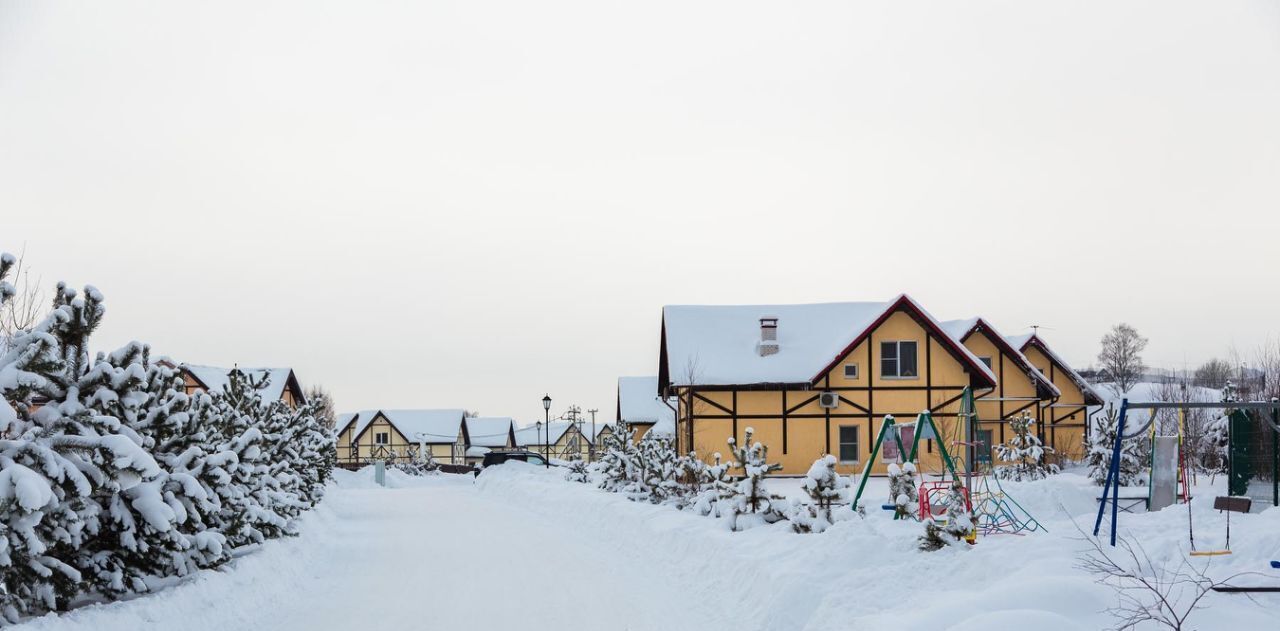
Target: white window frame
(897, 359)
(856, 372)
(382, 438)
(840, 444)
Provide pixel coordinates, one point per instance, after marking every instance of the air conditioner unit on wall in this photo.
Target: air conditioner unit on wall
(829, 400)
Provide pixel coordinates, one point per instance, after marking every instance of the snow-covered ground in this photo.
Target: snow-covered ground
(521, 548)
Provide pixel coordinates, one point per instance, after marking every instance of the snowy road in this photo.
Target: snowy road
(523, 549)
(440, 556)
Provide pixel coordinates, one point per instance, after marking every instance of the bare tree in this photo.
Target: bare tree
(323, 401)
(1148, 593)
(1266, 361)
(1121, 357)
(1213, 374)
(25, 307)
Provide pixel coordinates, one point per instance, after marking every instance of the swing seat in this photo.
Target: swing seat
(1209, 553)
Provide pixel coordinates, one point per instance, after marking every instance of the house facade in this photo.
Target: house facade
(282, 384)
(640, 405)
(813, 379)
(371, 435)
(1064, 422)
(557, 439)
(1020, 387)
(488, 433)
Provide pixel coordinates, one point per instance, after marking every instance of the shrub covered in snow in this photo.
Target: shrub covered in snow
(747, 503)
(824, 487)
(576, 470)
(903, 494)
(1025, 453)
(111, 475)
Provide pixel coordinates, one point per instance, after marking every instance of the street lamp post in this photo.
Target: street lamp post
(591, 455)
(546, 413)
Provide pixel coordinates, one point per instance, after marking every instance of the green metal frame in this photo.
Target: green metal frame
(886, 428)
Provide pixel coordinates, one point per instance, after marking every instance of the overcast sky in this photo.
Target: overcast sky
(471, 203)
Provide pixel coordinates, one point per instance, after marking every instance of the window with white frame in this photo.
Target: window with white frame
(849, 444)
(898, 360)
(382, 438)
(850, 371)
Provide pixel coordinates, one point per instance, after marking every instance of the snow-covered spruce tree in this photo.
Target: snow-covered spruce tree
(617, 468)
(750, 504)
(903, 494)
(1216, 442)
(824, 487)
(74, 481)
(657, 463)
(714, 484)
(155, 528)
(576, 470)
(688, 479)
(957, 525)
(1102, 441)
(1025, 451)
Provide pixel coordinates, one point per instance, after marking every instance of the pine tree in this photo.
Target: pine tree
(714, 485)
(825, 487)
(657, 468)
(1101, 445)
(749, 497)
(1025, 451)
(903, 494)
(1216, 442)
(617, 469)
(576, 470)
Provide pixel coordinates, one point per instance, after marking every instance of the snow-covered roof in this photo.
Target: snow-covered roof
(488, 431)
(549, 434)
(1021, 342)
(216, 378)
(960, 329)
(718, 345)
(477, 451)
(638, 402)
(436, 426)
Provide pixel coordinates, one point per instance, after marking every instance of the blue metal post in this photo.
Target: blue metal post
(1112, 485)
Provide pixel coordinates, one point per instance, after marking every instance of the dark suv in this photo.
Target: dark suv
(499, 457)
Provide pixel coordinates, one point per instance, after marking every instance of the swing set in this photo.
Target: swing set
(1169, 466)
(995, 512)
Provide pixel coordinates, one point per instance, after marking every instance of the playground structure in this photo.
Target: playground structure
(1252, 468)
(994, 512)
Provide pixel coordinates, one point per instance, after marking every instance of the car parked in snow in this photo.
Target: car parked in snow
(498, 457)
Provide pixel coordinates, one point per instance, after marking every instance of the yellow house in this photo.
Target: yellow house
(1020, 388)
(387, 434)
(641, 407)
(1064, 422)
(488, 433)
(557, 439)
(282, 384)
(812, 379)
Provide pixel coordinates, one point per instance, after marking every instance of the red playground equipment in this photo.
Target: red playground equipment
(934, 498)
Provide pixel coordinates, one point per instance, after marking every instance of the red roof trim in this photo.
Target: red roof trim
(903, 303)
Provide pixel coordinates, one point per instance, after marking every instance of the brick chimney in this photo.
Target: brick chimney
(768, 344)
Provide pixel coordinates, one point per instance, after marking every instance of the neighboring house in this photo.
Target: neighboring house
(1021, 387)
(768, 366)
(282, 384)
(386, 434)
(1065, 422)
(486, 433)
(641, 407)
(557, 439)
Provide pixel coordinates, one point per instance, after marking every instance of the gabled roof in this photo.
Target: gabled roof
(550, 433)
(214, 379)
(639, 403)
(436, 426)
(717, 345)
(488, 431)
(1026, 340)
(962, 329)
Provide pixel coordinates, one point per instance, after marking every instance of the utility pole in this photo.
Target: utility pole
(591, 455)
